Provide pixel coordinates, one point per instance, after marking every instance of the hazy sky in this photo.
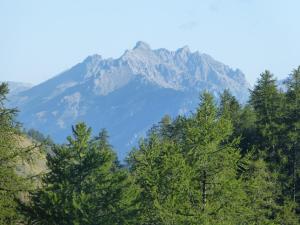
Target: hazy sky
(39, 39)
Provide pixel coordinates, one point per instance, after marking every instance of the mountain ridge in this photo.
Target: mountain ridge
(17, 87)
(127, 94)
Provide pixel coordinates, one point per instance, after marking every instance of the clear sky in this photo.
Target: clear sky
(39, 39)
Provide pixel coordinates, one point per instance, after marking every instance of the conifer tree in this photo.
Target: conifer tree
(229, 106)
(292, 140)
(166, 127)
(165, 180)
(272, 127)
(262, 194)
(11, 152)
(230, 109)
(267, 104)
(214, 159)
(245, 128)
(84, 185)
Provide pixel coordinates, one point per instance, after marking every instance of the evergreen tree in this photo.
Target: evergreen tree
(262, 194)
(215, 160)
(11, 152)
(292, 133)
(166, 127)
(229, 107)
(84, 185)
(165, 180)
(267, 104)
(272, 125)
(245, 128)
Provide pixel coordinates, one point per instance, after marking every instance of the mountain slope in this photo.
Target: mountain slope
(17, 87)
(126, 95)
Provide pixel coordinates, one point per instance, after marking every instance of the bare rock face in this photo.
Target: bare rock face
(126, 95)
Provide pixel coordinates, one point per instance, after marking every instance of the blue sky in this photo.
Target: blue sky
(40, 39)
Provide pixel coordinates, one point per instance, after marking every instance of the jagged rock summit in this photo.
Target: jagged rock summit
(126, 95)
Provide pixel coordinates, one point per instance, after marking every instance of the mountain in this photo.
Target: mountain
(126, 95)
(17, 87)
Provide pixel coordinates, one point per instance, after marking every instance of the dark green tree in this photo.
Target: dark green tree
(84, 185)
(214, 157)
(292, 134)
(272, 128)
(262, 194)
(165, 180)
(229, 106)
(231, 109)
(12, 185)
(245, 128)
(267, 103)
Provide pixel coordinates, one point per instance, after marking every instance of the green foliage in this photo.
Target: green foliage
(266, 101)
(192, 171)
(164, 178)
(276, 125)
(214, 157)
(11, 152)
(84, 185)
(225, 164)
(245, 129)
(262, 194)
(197, 178)
(292, 138)
(229, 106)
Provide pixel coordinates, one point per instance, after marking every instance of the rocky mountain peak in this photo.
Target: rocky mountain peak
(93, 58)
(141, 46)
(184, 50)
(126, 95)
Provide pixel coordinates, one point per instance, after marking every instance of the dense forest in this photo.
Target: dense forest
(226, 163)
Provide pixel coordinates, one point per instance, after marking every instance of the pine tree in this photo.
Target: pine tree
(166, 127)
(229, 106)
(292, 134)
(267, 104)
(84, 185)
(215, 160)
(165, 180)
(272, 125)
(11, 152)
(245, 128)
(262, 192)
(230, 109)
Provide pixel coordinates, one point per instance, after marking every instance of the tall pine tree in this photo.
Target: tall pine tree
(292, 122)
(11, 153)
(267, 104)
(84, 185)
(215, 160)
(165, 180)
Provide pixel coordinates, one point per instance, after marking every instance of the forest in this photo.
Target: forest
(225, 163)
